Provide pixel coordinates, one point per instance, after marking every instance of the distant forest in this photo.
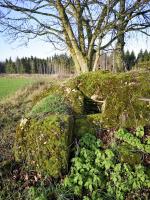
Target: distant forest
(141, 61)
(33, 65)
(63, 64)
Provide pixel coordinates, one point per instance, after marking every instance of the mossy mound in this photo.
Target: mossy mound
(121, 99)
(44, 134)
(44, 144)
(95, 100)
(53, 104)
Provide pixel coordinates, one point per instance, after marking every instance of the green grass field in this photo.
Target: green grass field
(9, 85)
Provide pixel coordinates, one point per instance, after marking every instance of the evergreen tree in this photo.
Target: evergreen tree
(2, 67)
(143, 60)
(130, 59)
(140, 56)
(32, 65)
(10, 67)
(146, 56)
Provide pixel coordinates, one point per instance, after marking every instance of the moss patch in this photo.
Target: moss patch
(44, 144)
(51, 89)
(121, 93)
(87, 124)
(127, 154)
(53, 104)
(75, 98)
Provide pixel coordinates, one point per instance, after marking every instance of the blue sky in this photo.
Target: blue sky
(137, 41)
(42, 49)
(35, 47)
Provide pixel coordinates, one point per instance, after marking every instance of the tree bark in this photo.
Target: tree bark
(75, 51)
(119, 50)
(97, 57)
(119, 54)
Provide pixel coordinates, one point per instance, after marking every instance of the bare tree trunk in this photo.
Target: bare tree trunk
(119, 50)
(95, 66)
(119, 54)
(81, 63)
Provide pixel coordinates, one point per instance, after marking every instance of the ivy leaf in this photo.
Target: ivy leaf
(140, 131)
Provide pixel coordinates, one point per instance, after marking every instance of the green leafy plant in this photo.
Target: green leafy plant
(53, 192)
(133, 140)
(140, 131)
(97, 174)
(36, 194)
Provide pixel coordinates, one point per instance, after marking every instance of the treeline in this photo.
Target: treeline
(107, 62)
(62, 64)
(141, 61)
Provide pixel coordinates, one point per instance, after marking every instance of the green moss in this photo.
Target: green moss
(87, 124)
(127, 154)
(50, 104)
(121, 93)
(49, 90)
(74, 97)
(43, 140)
(44, 144)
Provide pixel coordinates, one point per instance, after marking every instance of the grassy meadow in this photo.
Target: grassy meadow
(9, 85)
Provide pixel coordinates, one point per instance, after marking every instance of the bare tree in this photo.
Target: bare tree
(81, 25)
(133, 15)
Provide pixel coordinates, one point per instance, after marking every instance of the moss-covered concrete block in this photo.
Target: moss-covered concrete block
(87, 124)
(96, 100)
(123, 96)
(75, 99)
(44, 143)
